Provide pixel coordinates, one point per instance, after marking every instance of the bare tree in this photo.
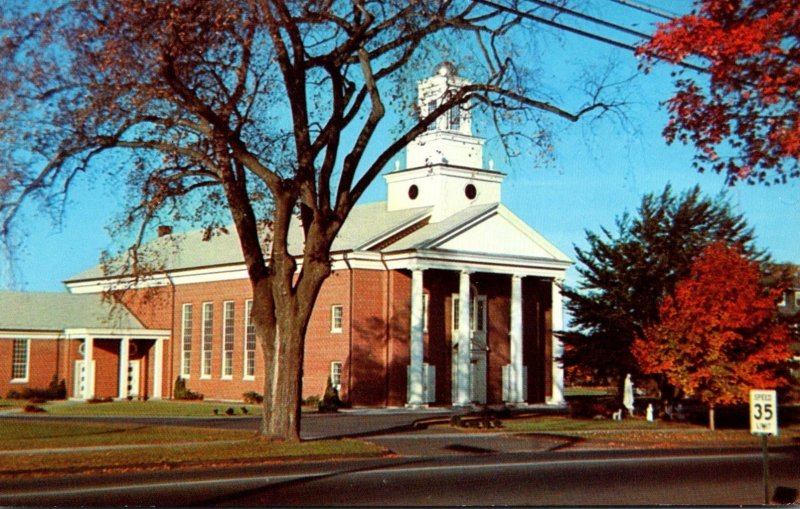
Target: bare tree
(257, 110)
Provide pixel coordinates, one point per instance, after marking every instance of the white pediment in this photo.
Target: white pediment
(500, 233)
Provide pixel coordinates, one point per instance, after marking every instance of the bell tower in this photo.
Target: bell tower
(444, 165)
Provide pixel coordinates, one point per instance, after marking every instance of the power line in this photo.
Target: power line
(560, 26)
(646, 8)
(593, 19)
(578, 31)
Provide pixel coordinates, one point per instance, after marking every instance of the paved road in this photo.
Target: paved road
(524, 478)
(595, 479)
(433, 467)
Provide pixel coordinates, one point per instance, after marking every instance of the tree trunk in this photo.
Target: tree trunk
(283, 313)
(711, 424)
(283, 385)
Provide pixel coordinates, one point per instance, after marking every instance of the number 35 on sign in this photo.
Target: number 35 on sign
(763, 412)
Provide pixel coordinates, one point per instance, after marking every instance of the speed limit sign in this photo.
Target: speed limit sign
(763, 412)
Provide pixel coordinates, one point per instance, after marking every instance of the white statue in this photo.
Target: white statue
(649, 412)
(627, 395)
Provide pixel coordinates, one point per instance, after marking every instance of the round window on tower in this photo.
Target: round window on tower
(413, 192)
(470, 192)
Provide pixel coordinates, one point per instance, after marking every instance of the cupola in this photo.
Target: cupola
(444, 165)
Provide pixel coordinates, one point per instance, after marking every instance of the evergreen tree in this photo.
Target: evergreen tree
(626, 273)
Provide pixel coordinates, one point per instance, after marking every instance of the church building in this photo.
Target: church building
(439, 296)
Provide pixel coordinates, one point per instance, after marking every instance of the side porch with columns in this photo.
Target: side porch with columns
(117, 364)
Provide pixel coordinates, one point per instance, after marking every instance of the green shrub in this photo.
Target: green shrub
(252, 398)
(330, 401)
(312, 401)
(181, 392)
(591, 407)
(96, 400)
(55, 390)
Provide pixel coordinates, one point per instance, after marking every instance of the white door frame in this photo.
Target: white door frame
(134, 378)
(479, 347)
(78, 386)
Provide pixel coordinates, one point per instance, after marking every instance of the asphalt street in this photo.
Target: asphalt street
(431, 466)
(731, 477)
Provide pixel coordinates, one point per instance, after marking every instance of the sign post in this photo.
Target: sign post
(764, 422)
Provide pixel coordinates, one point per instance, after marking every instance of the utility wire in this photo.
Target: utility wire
(578, 31)
(646, 8)
(593, 19)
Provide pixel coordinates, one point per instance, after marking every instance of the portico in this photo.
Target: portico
(490, 301)
(119, 364)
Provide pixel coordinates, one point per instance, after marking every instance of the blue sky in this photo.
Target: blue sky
(599, 170)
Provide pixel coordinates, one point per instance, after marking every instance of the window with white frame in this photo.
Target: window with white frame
(227, 339)
(19, 360)
(186, 340)
(430, 109)
(454, 118)
(208, 338)
(477, 313)
(249, 342)
(337, 312)
(336, 375)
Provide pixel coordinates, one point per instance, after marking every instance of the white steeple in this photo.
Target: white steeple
(444, 164)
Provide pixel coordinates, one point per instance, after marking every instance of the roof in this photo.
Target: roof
(182, 251)
(369, 227)
(39, 311)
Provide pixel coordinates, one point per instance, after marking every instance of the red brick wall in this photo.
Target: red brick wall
(399, 323)
(322, 346)
(369, 352)
(44, 360)
(440, 285)
(536, 337)
(497, 289)
(213, 387)
(106, 375)
(151, 306)
(373, 344)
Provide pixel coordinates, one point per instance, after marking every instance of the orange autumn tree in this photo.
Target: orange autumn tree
(743, 116)
(718, 334)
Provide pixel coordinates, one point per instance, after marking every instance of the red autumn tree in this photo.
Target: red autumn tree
(718, 335)
(745, 121)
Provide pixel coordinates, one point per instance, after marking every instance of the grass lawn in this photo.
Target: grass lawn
(640, 433)
(162, 408)
(25, 447)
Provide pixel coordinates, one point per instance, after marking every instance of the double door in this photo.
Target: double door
(478, 347)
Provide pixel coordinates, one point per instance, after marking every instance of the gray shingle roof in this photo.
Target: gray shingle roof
(367, 226)
(38, 311)
(182, 251)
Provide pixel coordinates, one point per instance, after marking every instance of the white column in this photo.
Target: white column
(517, 379)
(557, 313)
(415, 370)
(158, 368)
(88, 361)
(464, 388)
(124, 360)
